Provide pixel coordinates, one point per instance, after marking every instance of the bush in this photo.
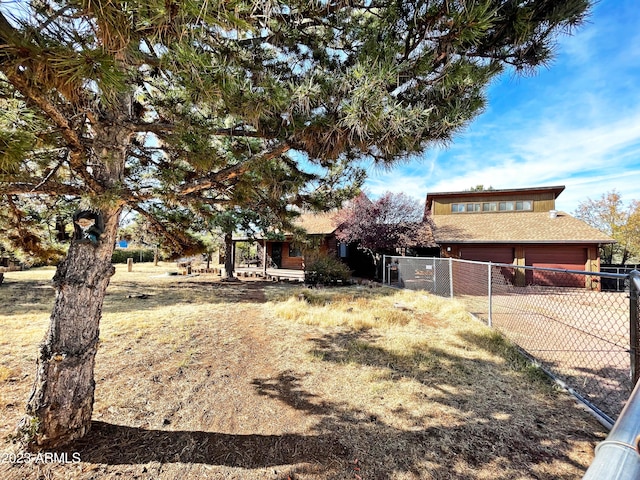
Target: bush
(138, 255)
(326, 270)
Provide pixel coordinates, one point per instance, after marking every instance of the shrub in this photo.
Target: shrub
(138, 255)
(326, 270)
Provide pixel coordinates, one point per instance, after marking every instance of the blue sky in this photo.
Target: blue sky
(575, 123)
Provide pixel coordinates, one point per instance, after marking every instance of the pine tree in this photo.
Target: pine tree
(165, 107)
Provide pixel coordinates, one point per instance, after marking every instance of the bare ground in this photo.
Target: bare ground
(197, 378)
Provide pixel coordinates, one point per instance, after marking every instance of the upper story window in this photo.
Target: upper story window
(473, 207)
(505, 206)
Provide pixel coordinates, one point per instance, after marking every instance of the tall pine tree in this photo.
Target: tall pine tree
(164, 106)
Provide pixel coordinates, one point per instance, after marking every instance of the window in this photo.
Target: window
(473, 207)
(294, 251)
(504, 206)
(524, 205)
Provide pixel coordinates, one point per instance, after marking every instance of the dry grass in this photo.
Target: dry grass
(197, 378)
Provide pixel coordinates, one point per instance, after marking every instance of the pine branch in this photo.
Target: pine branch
(165, 127)
(232, 172)
(176, 237)
(42, 186)
(76, 155)
(49, 175)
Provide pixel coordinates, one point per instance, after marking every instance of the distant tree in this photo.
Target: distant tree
(169, 107)
(480, 188)
(141, 231)
(610, 215)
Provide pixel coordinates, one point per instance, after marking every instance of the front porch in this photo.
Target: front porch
(275, 274)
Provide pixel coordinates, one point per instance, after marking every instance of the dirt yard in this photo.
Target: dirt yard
(197, 379)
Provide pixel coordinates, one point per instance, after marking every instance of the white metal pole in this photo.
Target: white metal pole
(451, 276)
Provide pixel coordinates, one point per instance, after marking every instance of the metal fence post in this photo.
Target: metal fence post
(384, 269)
(489, 291)
(434, 269)
(634, 347)
(451, 277)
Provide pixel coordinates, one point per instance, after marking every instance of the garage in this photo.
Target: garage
(558, 257)
(488, 253)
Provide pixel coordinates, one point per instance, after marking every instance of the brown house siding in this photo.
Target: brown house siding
(542, 202)
(328, 245)
(293, 263)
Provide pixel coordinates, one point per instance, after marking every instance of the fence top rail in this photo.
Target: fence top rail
(524, 267)
(563, 270)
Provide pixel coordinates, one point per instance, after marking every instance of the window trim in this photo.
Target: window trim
(503, 206)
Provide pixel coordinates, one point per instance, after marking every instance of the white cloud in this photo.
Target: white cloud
(587, 159)
(575, 124)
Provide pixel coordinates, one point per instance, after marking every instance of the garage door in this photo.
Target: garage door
(488, 254)
(566, 258)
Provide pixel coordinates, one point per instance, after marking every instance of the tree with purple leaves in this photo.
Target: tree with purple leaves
(392, 224)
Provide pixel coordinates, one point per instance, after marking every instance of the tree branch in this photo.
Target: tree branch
(42, 187)
(163, 127)
(9, 36)
(176, 238)
(233, 171)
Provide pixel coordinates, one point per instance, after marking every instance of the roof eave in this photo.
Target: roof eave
(529, 242)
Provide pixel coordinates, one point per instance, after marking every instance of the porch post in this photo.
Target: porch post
(233, 255)
(264, 256)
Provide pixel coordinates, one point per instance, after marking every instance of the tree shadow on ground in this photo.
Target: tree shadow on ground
(18, 298)
(606, 387)
(118, 444)
(126, 297)
(123, 297)
(485, 433)
(498, 436)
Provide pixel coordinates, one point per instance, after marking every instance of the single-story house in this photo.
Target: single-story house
(321, 229)
(286, 253)
(514, 226)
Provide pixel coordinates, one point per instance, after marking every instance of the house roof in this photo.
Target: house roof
(515, 227)
(317, 223)
(314, 223)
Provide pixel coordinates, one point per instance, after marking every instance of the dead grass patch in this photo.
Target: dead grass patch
(201, 379)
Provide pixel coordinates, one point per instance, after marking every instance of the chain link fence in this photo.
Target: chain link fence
(584, 337)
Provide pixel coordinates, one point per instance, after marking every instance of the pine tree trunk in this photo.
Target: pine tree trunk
(61, 401)
(228, 256)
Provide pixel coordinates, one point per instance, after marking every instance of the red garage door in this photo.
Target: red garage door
(464, 271)
(487, 254)
(565, 257)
